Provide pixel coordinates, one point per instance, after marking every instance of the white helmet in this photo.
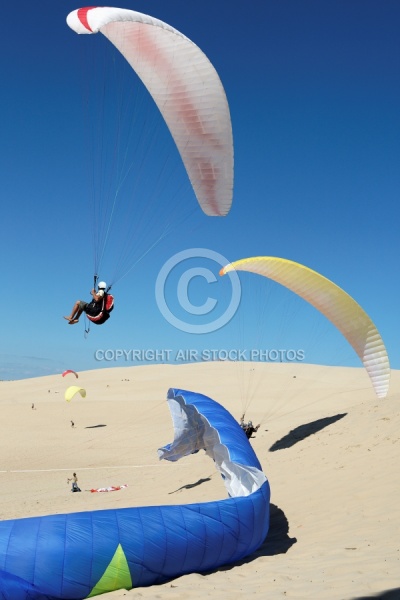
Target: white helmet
(102, 285)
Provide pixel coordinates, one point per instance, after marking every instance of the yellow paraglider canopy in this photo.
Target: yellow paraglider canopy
(72, 390)
(333, 302)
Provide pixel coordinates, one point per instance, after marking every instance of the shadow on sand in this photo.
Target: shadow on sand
(188, 486)
(276, 542)
(393, 594)
(94, 426)
(304, 431)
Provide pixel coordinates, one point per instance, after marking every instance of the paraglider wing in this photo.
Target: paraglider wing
(68, 372)
(186, 89)
(110, 488)
(72, 390)
(80, 555)
(333, 302)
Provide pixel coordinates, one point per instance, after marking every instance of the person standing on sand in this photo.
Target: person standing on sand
(74, 480)
(249, 428)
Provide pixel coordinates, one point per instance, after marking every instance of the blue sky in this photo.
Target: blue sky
(314, 90)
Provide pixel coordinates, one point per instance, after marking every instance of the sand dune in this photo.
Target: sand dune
(329, 448)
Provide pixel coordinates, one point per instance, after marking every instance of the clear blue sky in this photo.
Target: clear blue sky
(314, 94)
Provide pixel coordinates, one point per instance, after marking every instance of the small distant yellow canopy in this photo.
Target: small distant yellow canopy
(72, 390)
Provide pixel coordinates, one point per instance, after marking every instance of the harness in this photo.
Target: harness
(100, 309)
(107, 305)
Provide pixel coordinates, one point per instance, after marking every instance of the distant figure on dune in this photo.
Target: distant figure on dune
(33, 406)
(72, 424)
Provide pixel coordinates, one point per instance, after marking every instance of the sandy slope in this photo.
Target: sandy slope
(329, 448)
